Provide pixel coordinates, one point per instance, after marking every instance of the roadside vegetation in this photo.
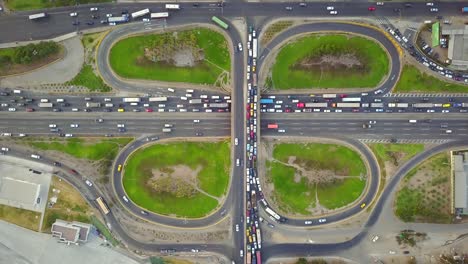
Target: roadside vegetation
(32, 56)
(198, 56)
(20, 5)
(103, 230)
(424, 194)
(306, 177)
(70, 205)
(99, 152)
(183, 179)
(88, 76)
(21, 217)
(413, 80)
(273, 30)
(329, 61)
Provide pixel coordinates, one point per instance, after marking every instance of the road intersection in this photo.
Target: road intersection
(392, 125)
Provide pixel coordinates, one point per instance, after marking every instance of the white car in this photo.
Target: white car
(120, 125)
(392, 252)
(237, 228)
(236, 141)
(334, 12)
(11, 109)
(52, 125)
(195, 250)
(430, 111)
(330, 8)
(380, 3)
(281, 131)
(308, 222)
(322, 220)
(125, 198)
(68, 135)
(375, 238)
(146, 20)
(241, 253)
(196, 121)
(445, 111)
(74, 125)
(429, 4)
(93, 9)
(74, 14)
(89, 183)
(108, 15)
(239, 46)
(434, 9)
(112, 24)
(372, 122)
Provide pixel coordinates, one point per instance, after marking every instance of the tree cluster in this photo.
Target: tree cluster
(31, 53)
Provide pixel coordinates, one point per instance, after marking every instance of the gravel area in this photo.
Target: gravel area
(57, 72)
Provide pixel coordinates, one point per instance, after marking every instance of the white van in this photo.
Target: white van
(413, 121)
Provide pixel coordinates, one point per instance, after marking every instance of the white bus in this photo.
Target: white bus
(132, 100)
(254, 48)
(329, 96)
(272, 213)
(140, 13)
(158, 99)
(352, 99)
(37, 16)
(173, 6)
(160, 15)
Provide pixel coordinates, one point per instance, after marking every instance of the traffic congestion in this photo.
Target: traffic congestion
(190, 101)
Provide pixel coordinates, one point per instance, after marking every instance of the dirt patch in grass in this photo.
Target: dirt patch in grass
(329, 62)
(273, 30)
(424, 194)
(66, 203)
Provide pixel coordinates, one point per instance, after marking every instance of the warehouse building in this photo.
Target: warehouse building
(458, 45)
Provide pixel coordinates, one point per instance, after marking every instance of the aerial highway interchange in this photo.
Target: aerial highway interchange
(352, 117)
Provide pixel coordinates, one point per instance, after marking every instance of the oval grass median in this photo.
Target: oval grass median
(198, 56)
(182, 179)
(329, 61)
(308, 179)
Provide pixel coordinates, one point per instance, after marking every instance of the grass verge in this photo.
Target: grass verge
(87, 76)
(70, 205)
(424, 192)
(103, 230)
(273, 30)
(127, 59)
(21, 217)
(354, 62)
(208, 161)
(331, 195)
(413, 80)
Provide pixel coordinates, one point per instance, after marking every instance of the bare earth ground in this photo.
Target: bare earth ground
(59, 72)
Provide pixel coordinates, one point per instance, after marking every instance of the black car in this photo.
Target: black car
(87, 110)
(94, 17)
(124, 12)
(57, 110)
(106, 110)
(76, 23)
(199, 134)
(196, 4)
(4, 94)
(122, 129)
(90, 23)
(57, 164)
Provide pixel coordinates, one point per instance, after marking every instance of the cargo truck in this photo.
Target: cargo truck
(316, 105)
(423, 105)
(346, 105)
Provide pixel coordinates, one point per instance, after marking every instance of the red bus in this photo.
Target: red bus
(273, 125)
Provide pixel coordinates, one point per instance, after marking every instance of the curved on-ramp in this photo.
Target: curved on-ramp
(359, 29)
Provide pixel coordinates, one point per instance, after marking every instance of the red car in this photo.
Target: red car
(371, 8)
(149, 110)
(343, 95)
(300, 105)
(287, 110)
(220, 110)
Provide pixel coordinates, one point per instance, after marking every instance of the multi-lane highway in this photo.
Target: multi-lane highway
(291, 114)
